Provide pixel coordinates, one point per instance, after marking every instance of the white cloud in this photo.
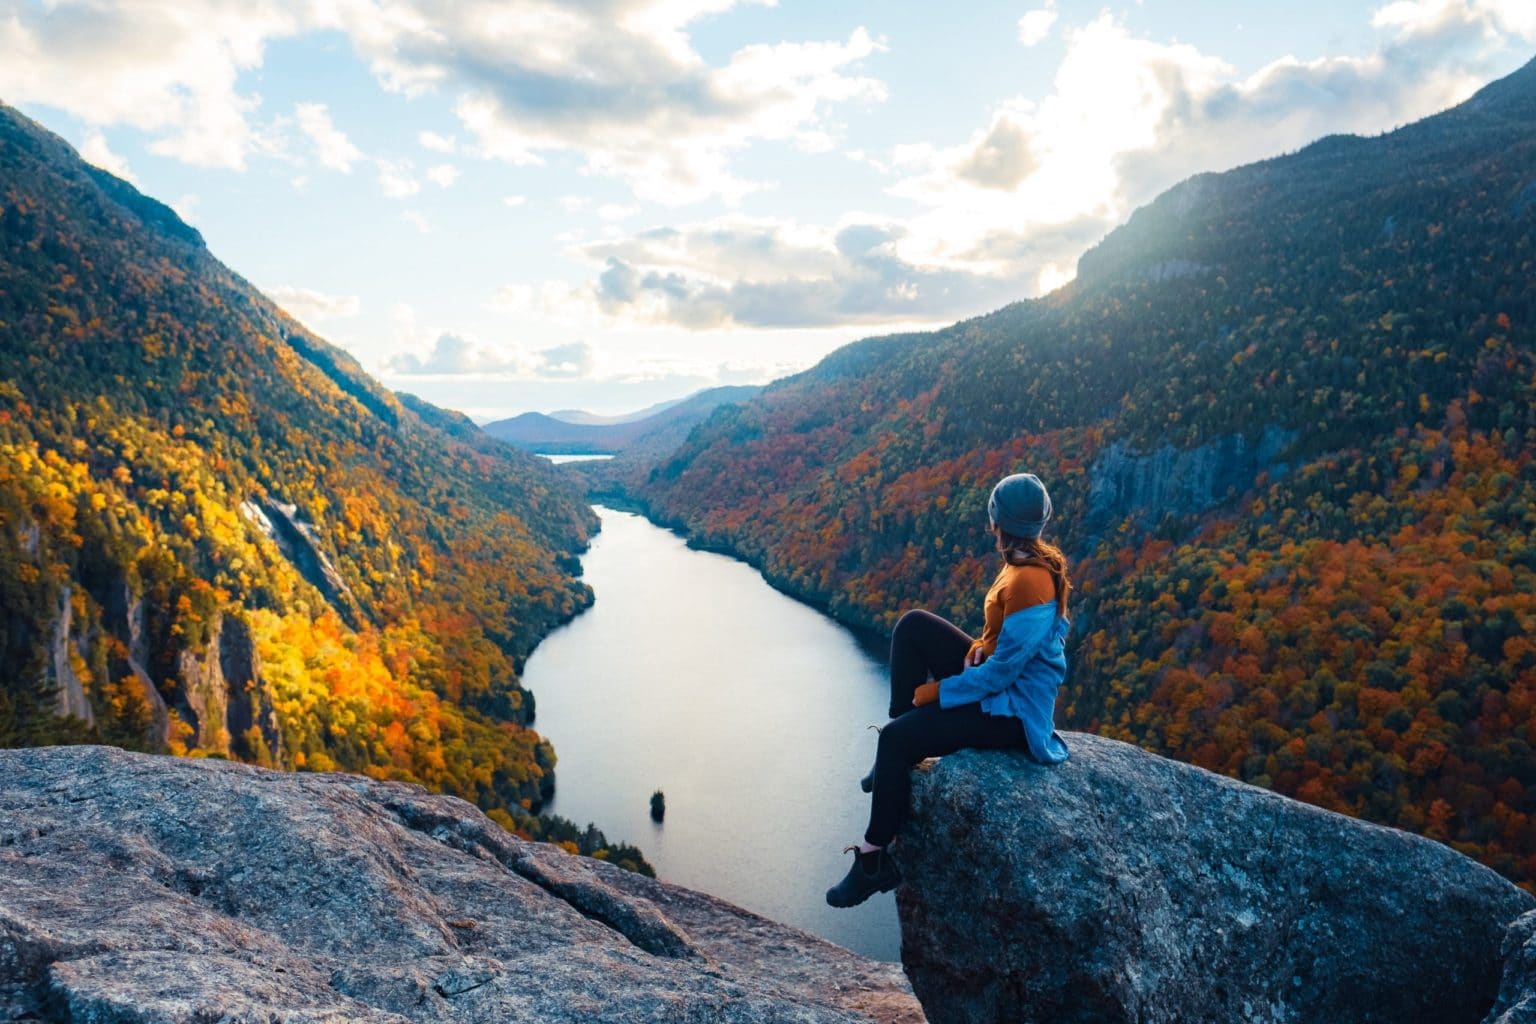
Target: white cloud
(443, 174)
(1035, 25)
(397, 178)
(185, 206)
(332, 146)
(313, 306)
(437, 143)
(455, 355)
(619, 84)
(616, 211)
(514, 201)
(94, 150)
(1491, 18)
(1127, 117)
(417, 221)
(169, 70)
(740, 272)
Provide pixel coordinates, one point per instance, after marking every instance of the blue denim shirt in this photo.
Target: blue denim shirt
(1021, 677)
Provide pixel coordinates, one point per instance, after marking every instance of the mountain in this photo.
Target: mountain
(657, 429)
(579, 416)
(219, 536)
(1287, 415)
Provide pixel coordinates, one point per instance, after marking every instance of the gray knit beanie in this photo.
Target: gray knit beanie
(1020, 505)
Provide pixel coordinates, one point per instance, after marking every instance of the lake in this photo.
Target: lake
(748, 709)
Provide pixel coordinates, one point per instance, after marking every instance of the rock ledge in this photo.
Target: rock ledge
(138, 889)
(1122, 886)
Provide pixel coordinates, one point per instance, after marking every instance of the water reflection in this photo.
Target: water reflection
(746, 708)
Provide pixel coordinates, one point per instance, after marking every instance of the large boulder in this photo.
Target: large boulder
(137, 889)
(1122, 886)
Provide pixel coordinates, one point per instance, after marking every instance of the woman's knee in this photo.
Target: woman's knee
(912, 622)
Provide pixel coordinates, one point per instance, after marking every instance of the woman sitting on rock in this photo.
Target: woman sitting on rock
(997, 691)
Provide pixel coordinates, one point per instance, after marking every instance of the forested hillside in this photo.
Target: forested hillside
(1288, 417)
(219, 537)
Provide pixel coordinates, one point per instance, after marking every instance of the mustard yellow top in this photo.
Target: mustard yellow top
(1016, 587)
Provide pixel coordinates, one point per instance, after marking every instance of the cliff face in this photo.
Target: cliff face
(136, 888)
(1121, 886)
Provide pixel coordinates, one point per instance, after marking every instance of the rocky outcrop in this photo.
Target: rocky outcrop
(125, 618)
(1122, 886)
(136, 888)
(1517, 993)
(254, 734)
(1143, 486)
(205, 694)
(299, 543)
(69, 690)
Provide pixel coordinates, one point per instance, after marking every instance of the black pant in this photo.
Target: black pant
(924, 644)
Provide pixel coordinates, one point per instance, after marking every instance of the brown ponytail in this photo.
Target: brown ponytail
(1034, 551)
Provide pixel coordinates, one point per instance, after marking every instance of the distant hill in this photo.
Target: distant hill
(578, 416)
(220, 537)
(1287, 414)
(658, 428)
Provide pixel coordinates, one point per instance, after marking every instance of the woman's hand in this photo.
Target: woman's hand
(975, 656)
(925, 694)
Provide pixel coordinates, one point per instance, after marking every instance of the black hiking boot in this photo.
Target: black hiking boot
(870, 873)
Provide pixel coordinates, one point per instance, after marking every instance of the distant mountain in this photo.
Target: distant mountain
(658, 428)
(577, 416)
(218, 536)
(1288, 418)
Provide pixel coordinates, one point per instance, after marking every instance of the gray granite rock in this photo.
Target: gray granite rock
(148, 889)
(1122, 886)
(1517, 993)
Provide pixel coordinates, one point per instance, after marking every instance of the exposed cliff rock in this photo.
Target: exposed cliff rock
(1121, 886)
(299, 544)
(1517, 994)
(1142, 486)
(205, 692)
(69, 689)
(125, 619)
(136, 888)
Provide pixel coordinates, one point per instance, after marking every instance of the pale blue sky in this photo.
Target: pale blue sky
(605, 203)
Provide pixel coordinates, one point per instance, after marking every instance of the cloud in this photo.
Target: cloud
(571, 360)
(94, 150)
(397, 178)
(313, 306)
(1001, 159)
(437, 143)
(453, 355)
(755, 273)
(618, 83)
(169, 70)
(514, 201)
(332, 146)
(1127, 117)
(443, 174)
(417, 221)
(1035, 25)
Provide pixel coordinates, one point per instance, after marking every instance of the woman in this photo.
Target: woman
(997, 691)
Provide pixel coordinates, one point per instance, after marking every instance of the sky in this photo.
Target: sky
(602, 204)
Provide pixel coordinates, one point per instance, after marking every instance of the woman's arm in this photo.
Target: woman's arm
(1024, 632)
